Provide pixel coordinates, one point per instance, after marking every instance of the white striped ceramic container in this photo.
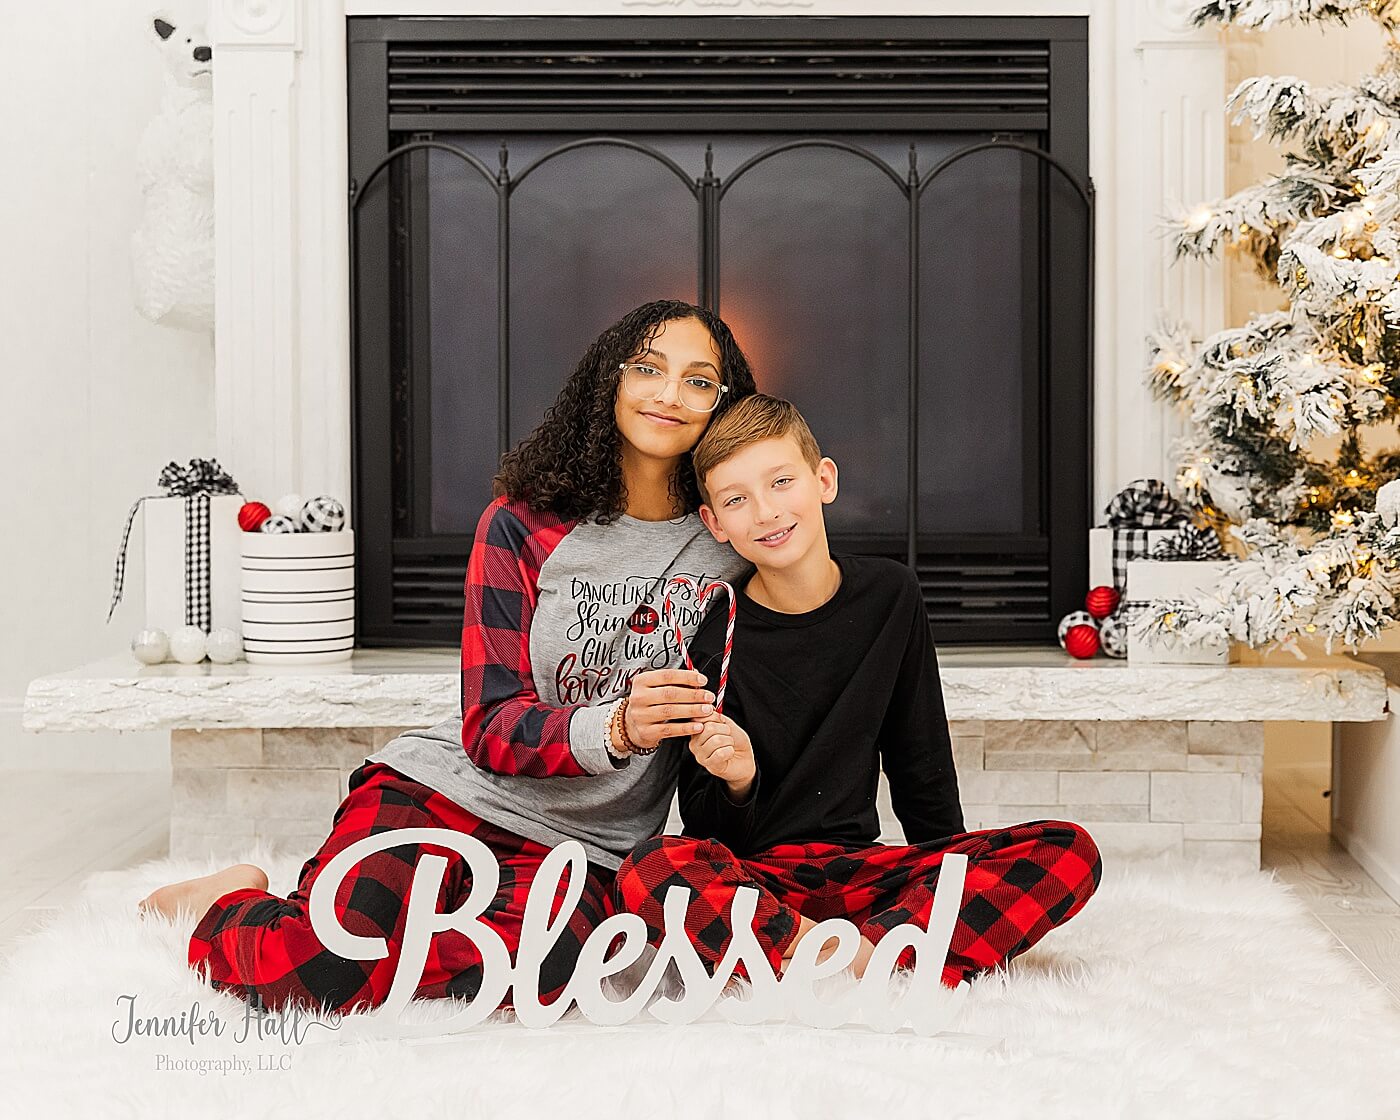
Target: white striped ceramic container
(298, 597)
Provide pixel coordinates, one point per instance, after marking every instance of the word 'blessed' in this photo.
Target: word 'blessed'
(925, 1005)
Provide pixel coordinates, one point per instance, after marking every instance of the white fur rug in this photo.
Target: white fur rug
(1174, 993)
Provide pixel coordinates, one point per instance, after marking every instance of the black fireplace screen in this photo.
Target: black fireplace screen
(899, 230)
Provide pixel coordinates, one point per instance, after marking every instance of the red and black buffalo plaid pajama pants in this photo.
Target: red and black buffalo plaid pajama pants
(1022, 882)
(263, 948)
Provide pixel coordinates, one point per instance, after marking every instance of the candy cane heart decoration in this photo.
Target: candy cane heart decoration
(702, 596)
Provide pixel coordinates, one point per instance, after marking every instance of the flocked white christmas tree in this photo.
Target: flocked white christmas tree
(1317, 539)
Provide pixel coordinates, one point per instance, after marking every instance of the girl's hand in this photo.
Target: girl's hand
(664, 703)
(723, 748)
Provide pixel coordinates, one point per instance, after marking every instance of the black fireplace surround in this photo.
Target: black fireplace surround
(894, 214)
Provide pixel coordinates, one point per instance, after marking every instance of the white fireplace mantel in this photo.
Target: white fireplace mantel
(282, 366)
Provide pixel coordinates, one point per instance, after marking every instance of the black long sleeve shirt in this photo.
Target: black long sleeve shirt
(827, 697)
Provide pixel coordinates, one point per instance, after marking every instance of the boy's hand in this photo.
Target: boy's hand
(723, 748)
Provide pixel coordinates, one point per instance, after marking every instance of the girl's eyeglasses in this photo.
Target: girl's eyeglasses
(646, 383)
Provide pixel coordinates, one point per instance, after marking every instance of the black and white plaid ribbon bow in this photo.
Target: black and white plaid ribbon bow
(1145, 504)
(195, 483)
(1190, 542)
(1141, 505)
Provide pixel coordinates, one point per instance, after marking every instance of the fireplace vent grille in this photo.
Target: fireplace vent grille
(965, 594)
(808, 77)
(976, 590)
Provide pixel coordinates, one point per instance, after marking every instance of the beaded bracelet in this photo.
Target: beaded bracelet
(620, 719)
(609, 745)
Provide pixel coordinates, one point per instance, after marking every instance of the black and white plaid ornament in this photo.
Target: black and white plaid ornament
(1113, 634)
(322, 515)
(1071, 620)
(278, 524)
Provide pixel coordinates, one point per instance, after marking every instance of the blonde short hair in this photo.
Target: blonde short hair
(748, 421)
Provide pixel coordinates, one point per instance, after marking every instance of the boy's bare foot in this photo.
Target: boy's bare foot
(197, 895)
(805, 926)
(863, 955)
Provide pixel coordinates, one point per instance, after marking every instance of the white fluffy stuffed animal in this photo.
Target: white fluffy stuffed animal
(172, 250)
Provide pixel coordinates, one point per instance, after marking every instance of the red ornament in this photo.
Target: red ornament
(1101, 602)
(252, 515)
(1082, 642)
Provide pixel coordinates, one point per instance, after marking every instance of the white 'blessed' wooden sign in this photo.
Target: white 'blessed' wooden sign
(925, 1005)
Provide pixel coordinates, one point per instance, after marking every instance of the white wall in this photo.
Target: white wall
(97, 399)
(1366, 787)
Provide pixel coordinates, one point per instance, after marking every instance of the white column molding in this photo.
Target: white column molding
(255, 247)
(1169, 140)
(1157, 135)
(323, 460)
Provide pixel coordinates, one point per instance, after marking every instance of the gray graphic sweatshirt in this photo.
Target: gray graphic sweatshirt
(560, 616)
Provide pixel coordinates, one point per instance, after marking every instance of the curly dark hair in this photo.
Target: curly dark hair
(572, 463)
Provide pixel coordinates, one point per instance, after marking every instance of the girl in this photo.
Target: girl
(567, 686)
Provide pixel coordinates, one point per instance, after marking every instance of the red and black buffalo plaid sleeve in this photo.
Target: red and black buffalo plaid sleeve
(505, 727)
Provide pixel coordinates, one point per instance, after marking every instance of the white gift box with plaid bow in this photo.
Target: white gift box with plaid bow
(1157, 580)
(190, 563)
(1151, 552)
(1141, 515)
(191, 549)
(1110, 550)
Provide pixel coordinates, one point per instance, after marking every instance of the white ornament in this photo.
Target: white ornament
(288, 505)
(278, 524)
(151, 647)
(188, 645)
(322, 515)
(172, 249)
(225, 645)
(925, 1004)
(1388, 503)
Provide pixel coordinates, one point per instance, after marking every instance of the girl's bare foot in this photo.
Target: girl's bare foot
(197, 895)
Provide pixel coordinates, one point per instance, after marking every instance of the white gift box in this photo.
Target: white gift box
(298, 597)
(1174, 579)
(1101, 552)
(163, 536)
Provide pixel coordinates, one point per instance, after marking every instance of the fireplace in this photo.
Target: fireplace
(892, 213)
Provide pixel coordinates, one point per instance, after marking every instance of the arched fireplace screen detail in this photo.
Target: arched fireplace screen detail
(709, 191)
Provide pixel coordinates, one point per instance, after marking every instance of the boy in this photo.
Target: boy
(833, 672)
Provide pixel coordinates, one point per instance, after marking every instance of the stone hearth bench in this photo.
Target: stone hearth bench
(1152, 760)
